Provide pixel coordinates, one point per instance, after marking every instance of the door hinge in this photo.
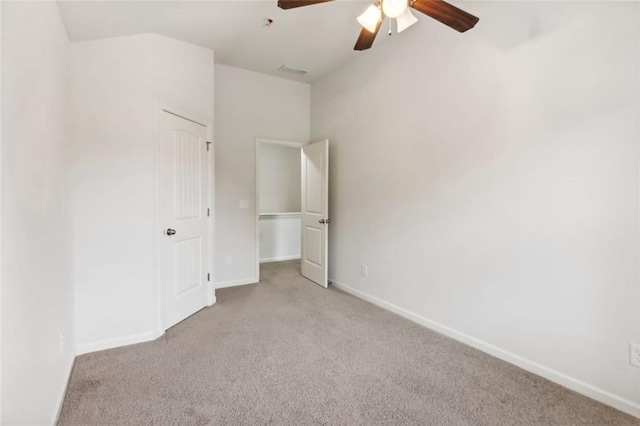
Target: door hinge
(208, 212)
(208, 145)
(208, 276)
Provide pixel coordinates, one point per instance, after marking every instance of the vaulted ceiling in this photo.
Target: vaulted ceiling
(316, 38)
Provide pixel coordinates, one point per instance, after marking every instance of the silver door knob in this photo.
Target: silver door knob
(170, 232)
(327, 221)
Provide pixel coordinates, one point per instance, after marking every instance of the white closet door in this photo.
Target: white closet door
(185, 244)
(315, 212)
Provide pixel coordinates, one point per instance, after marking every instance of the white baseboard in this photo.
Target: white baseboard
(279, 259)
(63, 392)
(562, 379)
(211, 294)
(244, 281)
(118, 342)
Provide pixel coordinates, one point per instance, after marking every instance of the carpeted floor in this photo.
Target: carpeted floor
(287, 351)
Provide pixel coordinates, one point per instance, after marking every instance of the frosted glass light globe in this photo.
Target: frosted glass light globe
(370, 18)
(405, 20)
(394, 8)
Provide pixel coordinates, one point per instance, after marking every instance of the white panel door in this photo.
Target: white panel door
(315, 211)
(185, 242)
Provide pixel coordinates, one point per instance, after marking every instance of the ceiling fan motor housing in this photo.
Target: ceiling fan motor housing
(394, 8)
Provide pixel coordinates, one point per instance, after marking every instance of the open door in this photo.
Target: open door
(315, 212)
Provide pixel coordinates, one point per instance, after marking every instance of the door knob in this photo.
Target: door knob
(323, 221)
(170, 232)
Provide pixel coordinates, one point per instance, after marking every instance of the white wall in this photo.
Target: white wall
(37, 301)
(117, 85)
(490, 182)
(280, 237)
(248, 105)
(279, 168)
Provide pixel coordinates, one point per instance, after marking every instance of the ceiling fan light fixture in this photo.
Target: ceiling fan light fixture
(405, 20)
(370, 18)
(394, 8)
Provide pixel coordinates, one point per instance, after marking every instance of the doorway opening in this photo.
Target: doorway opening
(292, 205)
(278, 203)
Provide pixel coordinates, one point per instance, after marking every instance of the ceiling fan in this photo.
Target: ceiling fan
(371, 20)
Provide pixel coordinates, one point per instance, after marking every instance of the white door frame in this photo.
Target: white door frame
(211, 295)
(1, 372)
(290, 144)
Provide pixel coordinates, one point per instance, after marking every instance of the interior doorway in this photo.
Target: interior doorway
(292, 205)
(278, 201)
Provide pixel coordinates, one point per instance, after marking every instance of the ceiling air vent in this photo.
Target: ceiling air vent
(290, 70)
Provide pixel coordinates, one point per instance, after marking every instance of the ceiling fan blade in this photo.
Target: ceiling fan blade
(446, 13)
(291, 4)
(365, 39)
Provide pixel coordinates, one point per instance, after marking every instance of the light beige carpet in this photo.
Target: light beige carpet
(286, 351)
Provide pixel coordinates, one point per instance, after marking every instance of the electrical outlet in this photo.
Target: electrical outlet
(61, 342)
(634, 354)
(244, 204)
(228, 260)
(364, 270)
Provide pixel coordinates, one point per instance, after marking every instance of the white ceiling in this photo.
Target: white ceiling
(315, 38)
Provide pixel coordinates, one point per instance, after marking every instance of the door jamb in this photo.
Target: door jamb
(1, 296)
(290, 144)
(195, 118)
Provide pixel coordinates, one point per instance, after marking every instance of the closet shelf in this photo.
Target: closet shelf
(282, 214)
